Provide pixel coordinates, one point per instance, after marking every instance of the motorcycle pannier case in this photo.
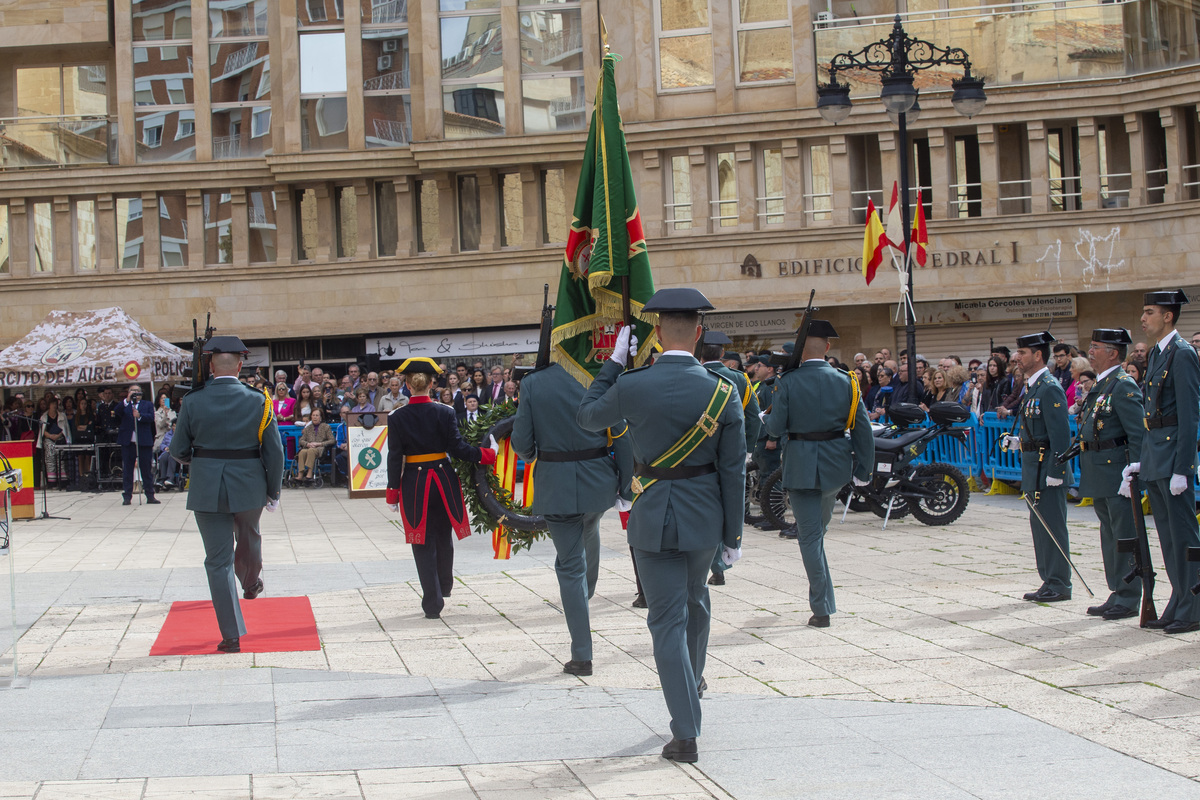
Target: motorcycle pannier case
(949, 413)
(905, 415)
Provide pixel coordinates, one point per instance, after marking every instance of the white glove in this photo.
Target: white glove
(1053, 481)
(623, 504)
(1010, 442)
(749, 459)
(762, 415)
(1178, 484)
(395, 507)
(730, 555)
(625, 347)
(1136, 466)
(857, 482)
(1125, 489)
(272, 506)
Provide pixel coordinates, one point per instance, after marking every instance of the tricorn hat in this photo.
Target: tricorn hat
(680, 300)
(1170, 297)
(1111, 336)
(1035, 339)
(821, 329)
(420, 364)
(729, 355)
(226, 344)
(716, 337)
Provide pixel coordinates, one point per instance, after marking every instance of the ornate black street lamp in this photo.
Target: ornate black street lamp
(898, 58)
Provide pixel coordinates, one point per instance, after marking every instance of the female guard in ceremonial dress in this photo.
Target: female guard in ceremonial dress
(422, 484)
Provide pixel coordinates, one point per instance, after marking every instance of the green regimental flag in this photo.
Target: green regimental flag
(606, 243)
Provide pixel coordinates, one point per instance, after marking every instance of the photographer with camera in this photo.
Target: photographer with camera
(136, 437)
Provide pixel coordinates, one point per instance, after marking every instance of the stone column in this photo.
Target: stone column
(285, 83)
(724, 64)
(326, 234)
(839, 179)
(514, 117)
(889, 166)
(64, 236)
(447, 213)
(989, 171)
(20, 258)
(107, 257)
(425, 33)
(1089, 164)
(1039, 167)
(202, 81)
(355, 117)
(1173, 135)
(793, 184)
(702, 209)
(368, 243)
(122, 11)
(748, 188)
(531, 206)
(151, 241)
(285, 226)
(405, 218)
(489, 210)
(194, 200)
(1137, 160)
(939, 175)
(649, 178)
(239, 227)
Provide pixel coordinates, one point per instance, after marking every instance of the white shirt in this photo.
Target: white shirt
(1166, 340)
(1104, 374)
(678, 353)
(471, 415)
(1029, 381)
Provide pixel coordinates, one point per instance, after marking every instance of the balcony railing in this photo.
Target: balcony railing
(560, 44)
(31, 142)
(567, 105)
(241, 58)
(1031, 42)
(389, 81)
(389, 11)
(392, 131)
(227, 147)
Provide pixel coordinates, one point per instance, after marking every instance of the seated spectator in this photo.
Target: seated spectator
(305, 404)
(315, 439)
(363, 404)
(284, 405)
(168, 468)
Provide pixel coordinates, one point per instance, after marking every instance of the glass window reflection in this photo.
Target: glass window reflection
(237, 18)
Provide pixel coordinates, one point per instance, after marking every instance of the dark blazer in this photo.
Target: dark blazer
(145, 425)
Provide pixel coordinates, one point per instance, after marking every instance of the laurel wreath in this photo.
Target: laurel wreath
(483, 494)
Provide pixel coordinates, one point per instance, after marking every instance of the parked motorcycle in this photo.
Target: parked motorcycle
(934, 493)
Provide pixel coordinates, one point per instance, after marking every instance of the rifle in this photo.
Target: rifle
(547, 325)
(200, 361)
(1143, 567)
(797, 356)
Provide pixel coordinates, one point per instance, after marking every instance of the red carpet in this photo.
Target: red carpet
(273, 625)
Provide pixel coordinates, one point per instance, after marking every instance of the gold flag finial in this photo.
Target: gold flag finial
(604, 34)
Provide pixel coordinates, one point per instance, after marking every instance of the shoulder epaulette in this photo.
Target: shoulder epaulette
(635, 369)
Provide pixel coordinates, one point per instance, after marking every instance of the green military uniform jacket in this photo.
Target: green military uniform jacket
(546, 423)
(661, 403)
(1111, 411)
(1171, 391)
(227, 415)
(1042, 418)
(815, 398)
(746, 397)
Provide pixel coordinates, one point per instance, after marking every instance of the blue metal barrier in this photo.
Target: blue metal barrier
(981, 454)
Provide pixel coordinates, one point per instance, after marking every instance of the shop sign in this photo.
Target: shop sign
(455, 345)
(992, 309)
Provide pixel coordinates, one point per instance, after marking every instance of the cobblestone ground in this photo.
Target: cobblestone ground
(928, 616)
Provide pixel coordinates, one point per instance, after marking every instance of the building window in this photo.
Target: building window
(386, 220)
(387, 12)
(237, 18)
(155, 20)
(1062, 148)
(172, 230)
(41, 223)
(218, 228)
(85, 234)
(428, 216)
(129, 232)
(472, 69)
(261, 209)
(468, 213)
(323, 90)
(556, 214)
(818, 200)
(163, 84)
(386, 85)
(306, 224)
(63, 91)
(967, 190)
(678, 204)
(346, 210)
(724, 180)
(770, 200)
(683, 29)
(512, 210)
(763, 41)
(552, 95)
(240, 66)
(866, 175)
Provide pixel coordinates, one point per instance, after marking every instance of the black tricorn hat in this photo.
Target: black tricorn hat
(1170, 297)
(729, 355)
(821, 329)
(226, 344)
(1111, 336)
(681, 300)
(716, 337)
(419, 364)
(1035, 339)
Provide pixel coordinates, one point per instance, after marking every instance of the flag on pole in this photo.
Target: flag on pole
(605, 247)
(874, 241)
(920, 236)
(895, 223)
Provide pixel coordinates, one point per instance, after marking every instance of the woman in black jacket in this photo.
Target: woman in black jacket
(422, 484)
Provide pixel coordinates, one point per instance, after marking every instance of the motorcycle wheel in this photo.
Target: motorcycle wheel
(751, 485)
(899, 509)
(775, 503)
(858, 503)
(952, 494)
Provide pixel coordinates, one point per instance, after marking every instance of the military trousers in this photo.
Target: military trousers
(813, 509)
(678, 619)
(435, 559)
(232, 551)
(1052, 566)
(1116, 522)
(1175, 520)
(576, 540)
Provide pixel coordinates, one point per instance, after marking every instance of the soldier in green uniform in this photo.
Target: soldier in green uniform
(228, 434)
(1044, 432)
(712, 349)
(689, 444)
(575, 481)
(814, 407)
(1168, 458)
(766, 451)
(1110, 429)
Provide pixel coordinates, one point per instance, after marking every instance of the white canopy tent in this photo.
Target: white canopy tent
(78, 348)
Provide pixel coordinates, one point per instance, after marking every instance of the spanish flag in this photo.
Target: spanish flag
(920, 236)
(873, 242)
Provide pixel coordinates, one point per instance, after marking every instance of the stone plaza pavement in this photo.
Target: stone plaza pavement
(935, 680)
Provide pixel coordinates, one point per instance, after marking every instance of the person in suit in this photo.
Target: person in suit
(229, 435)
(688, 438)
(470, 411)
(575, 481)
(1110, 429)
(136, 437)
(813, 409)
(1044, 431)
(712, 357)
(766, 452)
(1167, 464)
(422, 485)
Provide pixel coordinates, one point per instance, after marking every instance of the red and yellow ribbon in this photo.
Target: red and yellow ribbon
(506, 469)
